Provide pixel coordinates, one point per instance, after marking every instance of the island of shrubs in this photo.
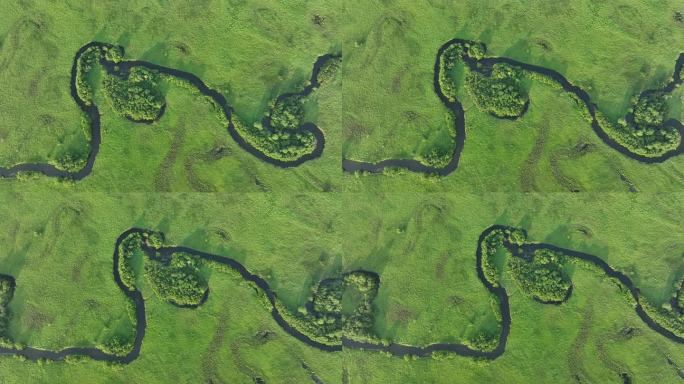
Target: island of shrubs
(88, 60)
(501, 93)
(325, 319)
(497, 90)
(278, 135)
(541, 276)
(174, 277)
(178, 279)
(499, 239)
(137, 96)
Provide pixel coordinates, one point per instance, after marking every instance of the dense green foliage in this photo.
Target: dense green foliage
(326, 319)
(6, 294)
(501, 93)
(650, 110)
(128, 250)
(118, 345)
(542, 276)
(287, 113)
(178, 280)
(281, 145)
(136, 97)
(498, 240)
(279, 139)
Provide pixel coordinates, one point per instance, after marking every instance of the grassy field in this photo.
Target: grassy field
(392, 111)
(295, 227)
(422, 246)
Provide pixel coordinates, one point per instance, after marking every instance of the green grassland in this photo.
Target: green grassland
(298, 226)
(388, 109)
(392, 111)
(189, 149)
(422, 246)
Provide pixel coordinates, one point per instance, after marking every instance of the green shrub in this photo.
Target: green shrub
(667, 318)
(136, 97)
(6, 294)
(490, 245)
(437, 158)
(287, 113)
(542, 276)
(483, 341)
(71, 161)
(500, 93)
(649, 141)
(650, 110)
(280, 145)
(128, 248)
(118, 345)
(325, 321)
(476, 50)
(84, 64)
(178, 281)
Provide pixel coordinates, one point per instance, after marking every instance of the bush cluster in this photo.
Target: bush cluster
(178, 280)
(359, 324)
(500, 93)
(665, 317)
(280, 145)
(647, 140)
(484, 341)
(287, 113)
(136, 97)
(118, 345)
(542, 276)
(128, 248)
(87, 62)
(329, 69)
(500, 238)
(451, 56)
(324, 320)
(648, 135)
(281, 140)
(6, 294)
(649, 110)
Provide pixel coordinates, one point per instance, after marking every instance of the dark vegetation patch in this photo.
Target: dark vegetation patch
(6, 294)
(162, 179)
(500, 93)
(325, 317)
(177, 279)
(678, 17)
(528, 173)
(580, 149)
(136, 97)
(541, 275)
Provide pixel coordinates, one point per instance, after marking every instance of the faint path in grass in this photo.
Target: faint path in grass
(528, 179)
(575, 359)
